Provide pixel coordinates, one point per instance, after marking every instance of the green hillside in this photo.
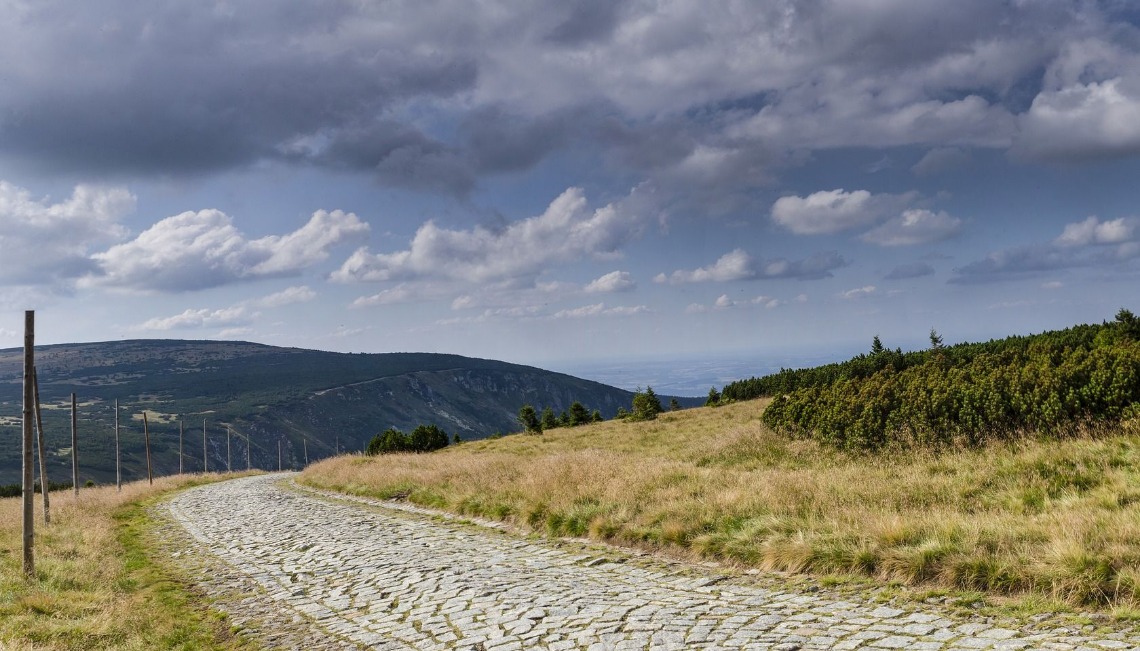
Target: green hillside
(309, 401)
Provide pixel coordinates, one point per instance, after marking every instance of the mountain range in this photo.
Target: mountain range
(284, 406)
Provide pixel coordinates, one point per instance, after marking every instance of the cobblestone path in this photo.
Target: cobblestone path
(305, 571)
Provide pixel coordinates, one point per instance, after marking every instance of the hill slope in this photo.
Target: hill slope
(309, 401)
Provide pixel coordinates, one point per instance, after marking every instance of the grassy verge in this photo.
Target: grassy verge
(1051, 524)
(96, 584)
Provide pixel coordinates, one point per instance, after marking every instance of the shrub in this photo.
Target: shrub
(646, 405)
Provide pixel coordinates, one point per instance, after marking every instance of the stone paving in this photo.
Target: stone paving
(302, 570)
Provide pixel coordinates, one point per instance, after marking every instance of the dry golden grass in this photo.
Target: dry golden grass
(95, 585)
(1052, 521)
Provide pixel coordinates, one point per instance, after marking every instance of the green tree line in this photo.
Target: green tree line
(1047, 383)
(424, 438)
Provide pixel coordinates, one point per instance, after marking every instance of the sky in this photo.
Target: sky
(568, 184)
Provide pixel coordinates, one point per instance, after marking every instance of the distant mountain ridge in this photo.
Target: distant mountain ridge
(310, 402)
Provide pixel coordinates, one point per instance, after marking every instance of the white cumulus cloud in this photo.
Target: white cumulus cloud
(615, 281)
(734, 265)
(567, 231)
(858, 292)
(1094, 231)
(46, 243)
(197, 250)
(190, 318)
(738, 265)
(832, 211)
(916, 226)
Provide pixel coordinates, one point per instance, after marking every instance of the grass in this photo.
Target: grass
(96, 585)
(1038, 524)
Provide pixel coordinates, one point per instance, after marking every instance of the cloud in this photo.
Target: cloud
(1088, 243)
(463, 302)
(46, 243)
(599, 309)
(567, 231)
(198, 250)
(915, 226)
(911, 270)
(289, 296)
(1083, 121)
(723, 302)
(734, 265)
(615, 281)
(813, 267)
(859, 292)
(190, 318)
(832, 211)
(940, 160)
(436, 101)
(768, 302)
(1093, 231)
(398, 294)
(240, 314)
(738, 265)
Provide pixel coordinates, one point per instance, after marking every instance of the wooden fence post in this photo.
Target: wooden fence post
(146, 440)
(74, 448)
(278, 455)
(181, 431)
(247, 466)
(29, 397)
(205, 449)
(44, 483)
(118, 456)
(305, 444)
(229, 453)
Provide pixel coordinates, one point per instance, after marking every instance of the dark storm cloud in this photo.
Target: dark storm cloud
(499, 141)
(710, 99)
(585, 22)
(187, 90)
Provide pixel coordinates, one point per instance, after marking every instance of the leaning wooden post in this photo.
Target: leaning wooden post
(305, 445)
(205, 449)
(74, 448)
(146, 441)
(118, 457)
(29, 397)
(229, 452)
(247, 467)
(43, 456)
(181, 431)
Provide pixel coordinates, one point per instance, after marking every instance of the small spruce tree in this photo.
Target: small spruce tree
(935, 339)
(528, 420)
(549, 420)
(714, 398)
(579, 415)
(876, 346)
(646, 405)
